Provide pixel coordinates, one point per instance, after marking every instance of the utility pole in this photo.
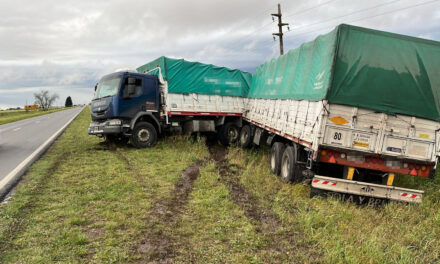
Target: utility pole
(280, 28)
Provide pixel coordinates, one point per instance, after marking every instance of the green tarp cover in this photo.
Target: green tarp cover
(355, 66)
(194, 77)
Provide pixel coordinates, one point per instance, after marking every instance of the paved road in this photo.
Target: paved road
(20, 139)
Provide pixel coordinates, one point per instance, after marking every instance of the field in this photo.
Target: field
(8, 116)
(186, 202)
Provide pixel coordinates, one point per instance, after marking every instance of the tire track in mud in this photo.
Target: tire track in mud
(158, 243)
(279, 239)
(266, 220)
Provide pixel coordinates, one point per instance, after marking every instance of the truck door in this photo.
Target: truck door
(139, 93)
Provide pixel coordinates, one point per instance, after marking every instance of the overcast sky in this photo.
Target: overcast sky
(66, 46)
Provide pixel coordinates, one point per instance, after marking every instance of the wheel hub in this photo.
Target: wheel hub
(144, 135)
(244, 136)
(233, 134)
(272, 161)
(285, 167)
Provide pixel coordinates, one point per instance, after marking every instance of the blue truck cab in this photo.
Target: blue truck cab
(126, 105)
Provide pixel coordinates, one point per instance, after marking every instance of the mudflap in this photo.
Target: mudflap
(351, 198)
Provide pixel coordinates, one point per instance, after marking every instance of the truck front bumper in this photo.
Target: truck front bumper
(366, 193)
(97, 128)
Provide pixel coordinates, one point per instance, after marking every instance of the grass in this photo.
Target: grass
(9, 116)
(85, 202)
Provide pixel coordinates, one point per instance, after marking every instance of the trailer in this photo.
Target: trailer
(348, 111)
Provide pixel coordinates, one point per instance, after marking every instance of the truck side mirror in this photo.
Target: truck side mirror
(96, 86)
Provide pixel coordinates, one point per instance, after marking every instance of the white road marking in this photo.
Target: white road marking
(16, 129)
(34, 154)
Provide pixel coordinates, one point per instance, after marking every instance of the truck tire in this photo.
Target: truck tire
(288, 164)
(245, 136)
(228, 133)
(276, 152)
(144, 135)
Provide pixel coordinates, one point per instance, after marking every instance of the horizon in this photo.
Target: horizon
(67, 50)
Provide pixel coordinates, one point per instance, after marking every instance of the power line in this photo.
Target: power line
(248, 35)
(308, 9)
(346, 15)
(364, 18)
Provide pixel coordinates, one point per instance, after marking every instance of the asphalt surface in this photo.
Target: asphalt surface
(18, 140)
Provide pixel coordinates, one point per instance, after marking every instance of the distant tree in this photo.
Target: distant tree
(68, 102)
(44, 99)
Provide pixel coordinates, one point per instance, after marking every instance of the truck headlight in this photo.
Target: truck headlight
(114, 122)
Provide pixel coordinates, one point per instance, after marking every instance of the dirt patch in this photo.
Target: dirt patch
(158, 244)
(266, 220)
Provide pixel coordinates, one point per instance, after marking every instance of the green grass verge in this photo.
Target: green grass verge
(85, 202)
(9, 116)
(346, 233)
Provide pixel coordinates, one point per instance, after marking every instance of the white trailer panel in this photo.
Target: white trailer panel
(355, 129)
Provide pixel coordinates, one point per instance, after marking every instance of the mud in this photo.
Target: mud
(159, 244)
(281, 241)
(266, 220)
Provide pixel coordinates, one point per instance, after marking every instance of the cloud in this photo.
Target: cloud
(68, 45)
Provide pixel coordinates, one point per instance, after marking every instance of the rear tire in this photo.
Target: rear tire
(276, 153)
(288, 164)
(144, 135)
(228, 134)
(245, 136)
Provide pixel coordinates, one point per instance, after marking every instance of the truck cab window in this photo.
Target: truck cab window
(132, 87)
(107, 87)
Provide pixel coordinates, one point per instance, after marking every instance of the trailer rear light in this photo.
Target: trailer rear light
(405, 165)
(343, 155)
(323, 153)
(423, 168)
(417, 167)
(374, 160)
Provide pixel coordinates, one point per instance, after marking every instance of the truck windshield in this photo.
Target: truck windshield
(107, 87)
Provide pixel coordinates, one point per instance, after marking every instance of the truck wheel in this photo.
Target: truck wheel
(276, 152)
(144, 135)
(228, 133)
(288, 164)
(245, 136)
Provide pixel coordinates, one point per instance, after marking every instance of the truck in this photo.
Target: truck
(345, 112)
(348, 111)
(169, 95)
